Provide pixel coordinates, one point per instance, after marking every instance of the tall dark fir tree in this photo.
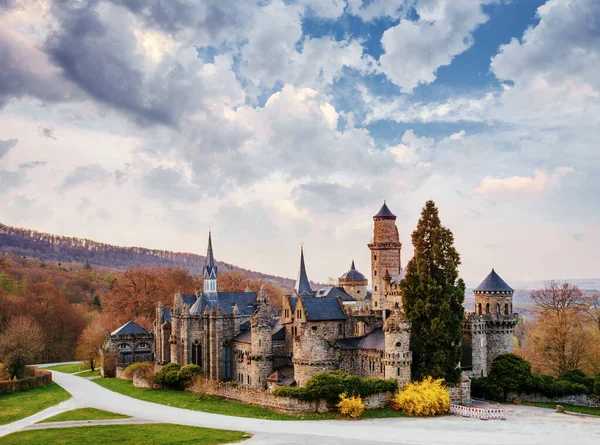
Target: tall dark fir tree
(433, 295)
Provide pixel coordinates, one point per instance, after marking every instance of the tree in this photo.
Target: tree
(432, 298)
(593, 310)
(511, 373)
(560, 340)
(90, 341)
(21, 342)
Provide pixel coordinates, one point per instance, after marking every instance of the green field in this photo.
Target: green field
(19, 405)
(84, 414)
(126, 435)
(571, 408)
(69, 369)
(88, 373)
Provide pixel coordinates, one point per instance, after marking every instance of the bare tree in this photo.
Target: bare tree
(20, 344)
(593, 310)
(90, 341)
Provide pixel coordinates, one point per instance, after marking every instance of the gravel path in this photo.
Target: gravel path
(524, 425)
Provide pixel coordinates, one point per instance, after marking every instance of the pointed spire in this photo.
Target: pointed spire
(302, 287)
(263, 296)
(248, 287)
(352, 267)
(210, 270)
(385, 213)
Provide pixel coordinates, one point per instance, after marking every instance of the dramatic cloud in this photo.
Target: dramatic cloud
(541, 182)
(6, 145)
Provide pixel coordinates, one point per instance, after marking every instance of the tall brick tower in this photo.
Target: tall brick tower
(385, 254)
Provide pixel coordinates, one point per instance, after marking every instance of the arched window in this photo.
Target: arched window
(497, 308)
(143, 346)
(487, 308)
(124, 347)
(505, 308)
(480, 309)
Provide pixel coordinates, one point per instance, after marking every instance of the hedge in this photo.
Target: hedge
(40, 377)
(329, 386)
(175, 376)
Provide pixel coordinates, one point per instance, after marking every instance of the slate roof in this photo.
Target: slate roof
(353, 274)
(277, 332)
(334, 292)
(189, 299)
(129, 328)
(322, 309)
(384, 212)
(373, 340)
(493, 283)
(302, 287)
(293, 303)
(246, 302)
(167, 314)
(210, 270)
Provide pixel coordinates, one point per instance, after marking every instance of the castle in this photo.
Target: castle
(240, 336)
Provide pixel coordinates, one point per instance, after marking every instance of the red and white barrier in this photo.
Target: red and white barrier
(478, 413)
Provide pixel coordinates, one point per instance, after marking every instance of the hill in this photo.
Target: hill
(63, 249)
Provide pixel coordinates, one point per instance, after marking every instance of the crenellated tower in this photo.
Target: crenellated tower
(385, 255)
(397, 355)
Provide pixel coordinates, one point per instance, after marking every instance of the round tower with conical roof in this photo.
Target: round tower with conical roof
(489, 331)
(385, 254)
(354, 283)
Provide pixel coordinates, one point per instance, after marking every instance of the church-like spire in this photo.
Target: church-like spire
(352, 267)
(302, 287)
(210, 270)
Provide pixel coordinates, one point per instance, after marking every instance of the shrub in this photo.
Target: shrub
(578, 376)
(484, 388)
(352, 406)
(511, 373)
(329, 386)
(176, 377)
(597, 384)
(145, 368)
(425, 398)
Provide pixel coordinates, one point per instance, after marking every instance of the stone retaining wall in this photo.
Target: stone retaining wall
(590, 401)
(460, 394)
(266, 399)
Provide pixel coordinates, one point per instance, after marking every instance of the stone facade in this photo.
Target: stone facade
(588, 400)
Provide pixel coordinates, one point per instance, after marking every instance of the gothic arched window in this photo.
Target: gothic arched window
(505, 308)
(480, 309)
(487, 308)
(497, 308)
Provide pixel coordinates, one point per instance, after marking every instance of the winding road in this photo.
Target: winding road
(523, 425)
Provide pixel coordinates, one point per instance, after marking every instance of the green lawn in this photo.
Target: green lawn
(382, 413)
(159, 433)
(19, 405)
(88, 373)
(84, 414)
(571, 408)
(201, 402)
(69, 369)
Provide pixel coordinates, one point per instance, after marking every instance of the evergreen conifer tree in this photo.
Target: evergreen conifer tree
(432, 298)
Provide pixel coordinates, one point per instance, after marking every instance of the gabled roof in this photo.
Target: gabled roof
(129, 328)
(246, 303)
(167, 314)
(322, 309)
(384, 212)
(277, 332)
(189, 299)
(400, 276)
(493, 283)
(302, 287)
(334, 292)
(353, 274)
(373, 340)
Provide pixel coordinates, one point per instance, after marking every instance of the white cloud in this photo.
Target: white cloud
(540, 182)
(414, 50)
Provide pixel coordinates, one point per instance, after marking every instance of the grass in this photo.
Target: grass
(159, 433)
(18, 405)
(69, 369)
(88, 373)
(84, 414)
(201, 402)
(382, 413)
(571, 408)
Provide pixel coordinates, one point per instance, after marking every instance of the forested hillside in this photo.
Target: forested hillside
(48, 247)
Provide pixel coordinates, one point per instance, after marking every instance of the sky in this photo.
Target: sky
(276, 123)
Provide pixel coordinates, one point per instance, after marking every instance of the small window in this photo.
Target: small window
(398, 344)
(375, 288)
(314, 328)
(487, 308)
(479, 308)
(374, 273)
(143, 346)
(124, 347)
(375, 304)
(399, 371)
(506, 309)
(340, 329)
(375, 257)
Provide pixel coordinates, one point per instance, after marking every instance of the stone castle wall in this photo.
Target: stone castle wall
(266, 399)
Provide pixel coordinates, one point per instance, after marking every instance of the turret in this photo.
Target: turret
(302, 287)
(210, 270)
(397, 357)
(262, 343)
(385, 254)
(354, 283)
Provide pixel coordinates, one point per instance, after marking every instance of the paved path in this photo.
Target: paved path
(75, 423)
(524, 425)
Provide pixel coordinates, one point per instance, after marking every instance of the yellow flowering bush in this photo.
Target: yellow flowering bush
(425, 398)
(352, 406)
